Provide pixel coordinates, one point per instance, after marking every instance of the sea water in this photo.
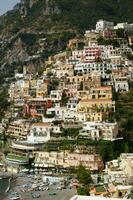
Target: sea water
(4, 183)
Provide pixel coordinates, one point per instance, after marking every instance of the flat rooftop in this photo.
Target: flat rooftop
(78, 197)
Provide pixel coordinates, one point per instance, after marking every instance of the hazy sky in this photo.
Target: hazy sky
(6, 5)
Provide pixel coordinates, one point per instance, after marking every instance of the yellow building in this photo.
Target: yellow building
(96, 104)
(18, 129)
(65, 159)
(41, 91)
(104, 92)
(96, 109)
(88, 80)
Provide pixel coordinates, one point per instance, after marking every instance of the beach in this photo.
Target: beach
(64, 194)
(51, 194)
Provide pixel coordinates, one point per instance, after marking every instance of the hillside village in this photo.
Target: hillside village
(65, 115)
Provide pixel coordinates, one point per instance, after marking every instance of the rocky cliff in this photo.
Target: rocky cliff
(56, 21)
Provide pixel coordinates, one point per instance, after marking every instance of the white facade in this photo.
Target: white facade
(125, 26)
(85, 68)
(127, 163)
(78, 197)
(56, 95)
(72, 104)
(120, 170)
(100, 130)
(39, 133)
(121, 84)
(101, 25)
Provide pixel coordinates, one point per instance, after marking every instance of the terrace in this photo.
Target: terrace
(17, 159)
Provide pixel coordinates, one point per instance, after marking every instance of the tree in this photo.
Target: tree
(83, 190)
(120, 33)
(84, 176)
(129, 56)
(64, 99)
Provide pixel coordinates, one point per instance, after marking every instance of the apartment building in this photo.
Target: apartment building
(108, 33)
(41, 90)
(102, 68)
(66, 160)
(121, 84)
(103, 92)
(99, 130)
(18, 129)
(102, 25)
(91, 38)
(39, 133)
(127, 163)
(125, 26)
(56, 95)
(87, 80)
(36, 106)
(120, 170)
(96, 104)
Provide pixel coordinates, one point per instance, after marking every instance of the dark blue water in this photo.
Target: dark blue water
(4, 183)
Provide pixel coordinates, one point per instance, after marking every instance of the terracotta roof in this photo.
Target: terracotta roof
(95, 100)
(41, 124)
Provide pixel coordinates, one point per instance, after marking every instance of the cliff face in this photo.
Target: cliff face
(70, 14)
(55, 20)
(49, 7)
(25, 5)
(16, 53)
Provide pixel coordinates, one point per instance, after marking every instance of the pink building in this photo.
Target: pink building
(92, 162)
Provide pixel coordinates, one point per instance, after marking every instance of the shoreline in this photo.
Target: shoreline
(9, 185)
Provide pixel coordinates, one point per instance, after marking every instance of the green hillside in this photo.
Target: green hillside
(73, 14)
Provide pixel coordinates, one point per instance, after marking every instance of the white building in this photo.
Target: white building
(121, 84)
(39, 133)
(56, 95)
(127, 163)
(72, 104)
(101, 25)
(120, 170)
(85, 68)
(125, 26)
(100, 130)
(78, 197)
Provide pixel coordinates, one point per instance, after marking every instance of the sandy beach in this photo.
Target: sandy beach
(63, 194)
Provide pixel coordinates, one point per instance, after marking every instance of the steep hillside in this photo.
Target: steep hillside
(55, 15)
(54, 20)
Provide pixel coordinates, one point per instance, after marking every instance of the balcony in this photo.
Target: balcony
(24, 145)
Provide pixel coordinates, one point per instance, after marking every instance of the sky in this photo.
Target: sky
(6, 5)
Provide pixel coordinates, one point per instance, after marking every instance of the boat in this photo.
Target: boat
(15, 198)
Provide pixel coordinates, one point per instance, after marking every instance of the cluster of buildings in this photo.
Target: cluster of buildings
(120, 170)
(75, 91)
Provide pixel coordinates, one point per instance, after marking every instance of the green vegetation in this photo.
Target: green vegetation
(129, 56)
(130, 195)
(15, 157)
(4, 104)
(72, 132)
(114, 42)
(124, 113)
(107, 149)
(84, 178)
(120, 33)
(50, 115)
(77, 15)
(64, 99)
